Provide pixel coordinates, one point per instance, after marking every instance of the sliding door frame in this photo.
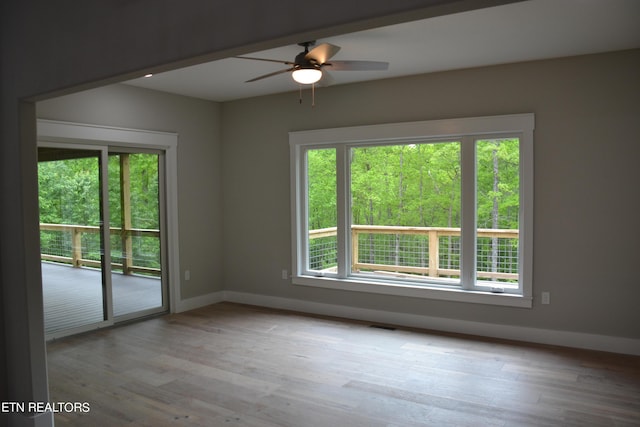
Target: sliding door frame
(105, 258)
(75, 134)
(162, 222)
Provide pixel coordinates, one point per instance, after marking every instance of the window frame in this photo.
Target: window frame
(465, 130)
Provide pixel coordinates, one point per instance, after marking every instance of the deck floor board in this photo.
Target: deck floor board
(73, 296)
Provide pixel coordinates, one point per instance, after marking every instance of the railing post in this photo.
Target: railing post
(354, 249)
(434, 253)
(76, 247)
(125, 209)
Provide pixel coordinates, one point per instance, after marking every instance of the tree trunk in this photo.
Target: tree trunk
(400, 208)
(495, 215)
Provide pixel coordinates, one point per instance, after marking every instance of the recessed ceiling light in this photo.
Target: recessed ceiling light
(148, 75)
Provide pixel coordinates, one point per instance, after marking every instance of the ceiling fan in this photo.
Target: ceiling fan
(310, 66)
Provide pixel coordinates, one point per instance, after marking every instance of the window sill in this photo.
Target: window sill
(436, 293)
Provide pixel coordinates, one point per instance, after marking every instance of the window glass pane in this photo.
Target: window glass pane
(322, 254)
(405, 207)
(134, 208)
(71, 243)
(137, 174)
(498, 209)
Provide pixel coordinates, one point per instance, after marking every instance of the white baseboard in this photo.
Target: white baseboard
(518, 333)
(197, 302)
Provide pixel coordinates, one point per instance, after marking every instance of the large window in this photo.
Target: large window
(437, 209)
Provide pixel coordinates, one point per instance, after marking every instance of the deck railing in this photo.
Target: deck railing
(424, 251)
(79, 246)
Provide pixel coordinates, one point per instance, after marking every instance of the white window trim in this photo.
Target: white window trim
(460, 129)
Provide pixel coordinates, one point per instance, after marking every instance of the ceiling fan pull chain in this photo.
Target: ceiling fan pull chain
(300, 94)
(313, 95)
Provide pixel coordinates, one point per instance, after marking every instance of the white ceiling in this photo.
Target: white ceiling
(529, 30)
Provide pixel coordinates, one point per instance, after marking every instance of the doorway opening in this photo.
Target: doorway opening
(103, 233)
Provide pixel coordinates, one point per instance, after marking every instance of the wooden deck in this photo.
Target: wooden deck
(73, 296)
(235, 365)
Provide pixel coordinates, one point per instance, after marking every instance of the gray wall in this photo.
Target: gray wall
(586, 183)
(197, 124)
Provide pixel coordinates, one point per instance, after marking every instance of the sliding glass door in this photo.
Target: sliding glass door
(136, 217)
(102, 225)
(76, 288)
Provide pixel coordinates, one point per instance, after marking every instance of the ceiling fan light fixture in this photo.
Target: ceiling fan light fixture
(307, 76)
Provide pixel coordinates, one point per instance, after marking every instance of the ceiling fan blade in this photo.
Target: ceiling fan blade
(265, 59)
(357, 65)
(321, 54)
(269, 75)
(326, 80)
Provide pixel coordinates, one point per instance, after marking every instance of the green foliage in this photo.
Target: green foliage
(405, 185)
(69, 193)
(143, 169)
(498, 183)
(417, 185)
(321, 165)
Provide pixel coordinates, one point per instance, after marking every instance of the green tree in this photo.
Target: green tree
(321, 169)
(417, 185)
(69, 193)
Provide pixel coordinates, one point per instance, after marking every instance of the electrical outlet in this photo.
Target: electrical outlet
(285, 274)
(187, 275)
(546, 298)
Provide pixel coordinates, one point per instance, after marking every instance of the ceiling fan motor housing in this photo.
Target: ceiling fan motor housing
(302, 61)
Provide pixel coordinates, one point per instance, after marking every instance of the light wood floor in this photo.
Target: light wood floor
(235, 365)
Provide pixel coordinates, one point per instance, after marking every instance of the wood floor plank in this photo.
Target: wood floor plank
(236, 365)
